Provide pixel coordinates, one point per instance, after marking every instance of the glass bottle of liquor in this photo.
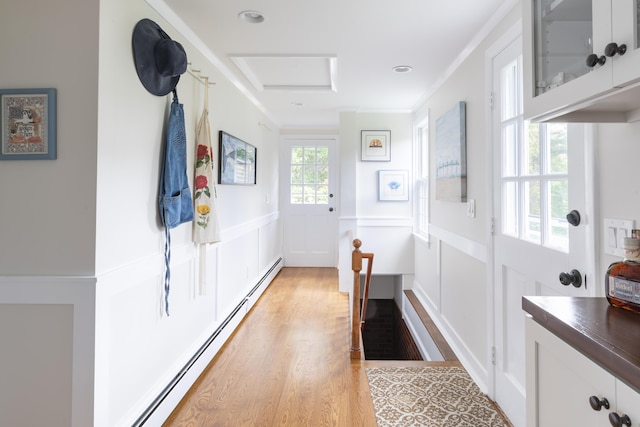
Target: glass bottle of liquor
(622, 280)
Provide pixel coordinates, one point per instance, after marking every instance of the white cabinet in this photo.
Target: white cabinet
(559, 36)
(626, 31)
(561, 383)
(628, 402)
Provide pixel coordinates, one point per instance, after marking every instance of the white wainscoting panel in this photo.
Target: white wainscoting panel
(450, 283)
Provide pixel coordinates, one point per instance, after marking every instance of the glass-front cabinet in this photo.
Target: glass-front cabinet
(626, 30)
(577, 55)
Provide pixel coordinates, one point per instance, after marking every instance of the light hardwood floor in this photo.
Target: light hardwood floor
(288, 363)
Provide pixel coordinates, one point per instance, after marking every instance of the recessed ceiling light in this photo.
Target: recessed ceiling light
(251, 16)
(402, 69)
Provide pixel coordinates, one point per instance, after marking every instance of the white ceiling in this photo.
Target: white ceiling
(310, 60)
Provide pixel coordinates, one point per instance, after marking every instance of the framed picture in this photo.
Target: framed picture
(376, 145)
(27, 124)
(237, 161)
(393, 185)
(451, 155)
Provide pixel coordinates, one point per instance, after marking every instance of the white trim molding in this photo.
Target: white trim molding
(467, 246)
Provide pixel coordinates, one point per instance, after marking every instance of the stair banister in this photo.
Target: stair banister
(357, 320)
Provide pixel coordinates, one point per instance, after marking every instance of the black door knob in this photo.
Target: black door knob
(619, 420)
(593, 60)
(597, 403)
(330, 209)
(573, 218)
(612, 48)
(572, 278)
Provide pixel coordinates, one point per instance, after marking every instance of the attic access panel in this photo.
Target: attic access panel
(289, 72)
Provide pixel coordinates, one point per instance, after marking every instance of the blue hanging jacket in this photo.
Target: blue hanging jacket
(174, 201)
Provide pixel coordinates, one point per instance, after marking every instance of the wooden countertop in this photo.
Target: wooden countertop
(610, 336)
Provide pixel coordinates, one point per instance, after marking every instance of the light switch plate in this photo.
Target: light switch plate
(471, 208)
(615, 230)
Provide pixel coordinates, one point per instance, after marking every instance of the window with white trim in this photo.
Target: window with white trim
(422, 178)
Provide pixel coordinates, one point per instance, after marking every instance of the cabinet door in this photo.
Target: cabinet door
(628, 402)
(626, 30)
(560, 381)
(558, 36)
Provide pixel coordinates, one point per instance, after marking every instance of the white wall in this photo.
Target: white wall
(145, 348)
(384, 227)
(82, 234)
(618, 191)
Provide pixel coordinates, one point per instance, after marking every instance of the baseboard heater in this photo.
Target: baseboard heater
(172, 384)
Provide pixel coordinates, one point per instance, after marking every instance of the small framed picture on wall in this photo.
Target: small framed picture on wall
(28, 124)
(393, 185)
(376, 146)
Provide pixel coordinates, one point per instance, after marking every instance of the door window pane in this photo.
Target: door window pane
(296, 194)
(309, 175)
(296, 174)
(532, 219)
(509, 149)
(296, 155)
(531, 152)
(534, 171)
(509, 79)
(556, 140)
(323, 175)
(558, 231)
(510, 208)
(322, 155)
(309, 155)
(322, 194)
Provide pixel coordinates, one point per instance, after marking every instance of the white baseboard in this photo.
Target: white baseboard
(161, 408)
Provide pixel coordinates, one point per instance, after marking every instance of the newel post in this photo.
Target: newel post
(356, 266)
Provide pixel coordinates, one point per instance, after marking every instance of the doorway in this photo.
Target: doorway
(309, 201)
(541, 173)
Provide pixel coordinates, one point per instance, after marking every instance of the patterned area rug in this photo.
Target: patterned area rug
(433, 396)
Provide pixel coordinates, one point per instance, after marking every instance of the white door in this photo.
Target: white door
(540, 174)
(309, 202)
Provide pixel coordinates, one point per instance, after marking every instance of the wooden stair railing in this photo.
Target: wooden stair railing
(358, 316)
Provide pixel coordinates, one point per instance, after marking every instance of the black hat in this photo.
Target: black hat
(159, 60)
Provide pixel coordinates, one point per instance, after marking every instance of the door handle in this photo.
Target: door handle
(573, 278)
(573, 218)
(330, 209)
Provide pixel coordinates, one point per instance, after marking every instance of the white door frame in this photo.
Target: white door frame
(283, 189)
(500, 44)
